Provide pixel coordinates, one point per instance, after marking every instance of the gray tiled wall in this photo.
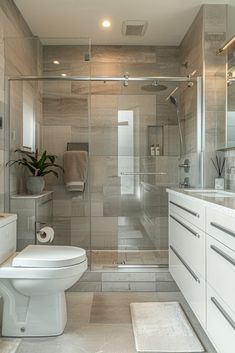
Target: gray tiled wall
(18, 55)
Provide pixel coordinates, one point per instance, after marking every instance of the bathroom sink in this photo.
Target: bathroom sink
(211, 193)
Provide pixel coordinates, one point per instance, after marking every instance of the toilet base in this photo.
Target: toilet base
(33, 316)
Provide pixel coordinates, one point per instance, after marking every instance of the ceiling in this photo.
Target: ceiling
(168, 20)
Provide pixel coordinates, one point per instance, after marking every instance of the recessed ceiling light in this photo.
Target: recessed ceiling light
(106, 24)
(56, 62)
(64, 75)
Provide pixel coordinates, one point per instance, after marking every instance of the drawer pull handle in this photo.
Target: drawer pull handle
(223, 254)
(186, 209)
(185, 264)
(223, 229)
(223, 312)
(186, 227)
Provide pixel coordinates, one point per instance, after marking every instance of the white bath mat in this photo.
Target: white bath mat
(8, 345)
(163, 327)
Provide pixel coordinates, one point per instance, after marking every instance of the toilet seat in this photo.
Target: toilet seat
(47, 256)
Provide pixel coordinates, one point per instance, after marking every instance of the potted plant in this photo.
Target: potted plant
(38, 166)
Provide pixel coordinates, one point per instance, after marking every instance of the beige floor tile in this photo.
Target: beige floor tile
(101, 323)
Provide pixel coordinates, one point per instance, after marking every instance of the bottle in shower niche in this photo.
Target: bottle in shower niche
(152, 150)
(157, 150)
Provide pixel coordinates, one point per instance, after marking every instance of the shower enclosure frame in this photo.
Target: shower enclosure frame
(124, 80)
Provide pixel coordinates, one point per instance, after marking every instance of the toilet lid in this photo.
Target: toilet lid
(49, 256)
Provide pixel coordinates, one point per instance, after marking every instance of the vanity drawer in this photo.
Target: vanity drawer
(189, 241)
(188, 209)
(220, 323)
(221, 270)
(221, 227)
(190, 283)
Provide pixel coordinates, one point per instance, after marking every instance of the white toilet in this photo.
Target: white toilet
(33, 282)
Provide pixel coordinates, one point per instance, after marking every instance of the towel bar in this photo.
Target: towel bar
(77, 146)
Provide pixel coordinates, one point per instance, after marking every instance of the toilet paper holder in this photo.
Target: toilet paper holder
(38, 226)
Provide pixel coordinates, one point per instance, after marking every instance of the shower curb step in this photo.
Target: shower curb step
(125, 281)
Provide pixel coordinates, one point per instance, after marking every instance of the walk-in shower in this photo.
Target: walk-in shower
(174, 101)
(122, 217)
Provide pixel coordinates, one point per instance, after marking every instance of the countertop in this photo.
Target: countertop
(224, 204)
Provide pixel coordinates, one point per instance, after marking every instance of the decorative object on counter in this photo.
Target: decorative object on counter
(38, 166)
(157, 150)
(152, 150)
(219, 167)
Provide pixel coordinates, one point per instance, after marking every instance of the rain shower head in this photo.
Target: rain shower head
(154, 87)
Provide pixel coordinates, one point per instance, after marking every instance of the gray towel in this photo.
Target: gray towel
(75, 170)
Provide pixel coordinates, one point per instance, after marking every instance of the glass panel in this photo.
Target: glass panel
(134, 137)
(61, 112)
(137, 139)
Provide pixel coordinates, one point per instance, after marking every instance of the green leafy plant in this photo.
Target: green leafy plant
(38, 165)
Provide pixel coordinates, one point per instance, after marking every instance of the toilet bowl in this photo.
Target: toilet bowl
(33, 284)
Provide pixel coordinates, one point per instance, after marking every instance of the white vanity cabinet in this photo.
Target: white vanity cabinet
(202, 262)
(220, 266)
(187, 251)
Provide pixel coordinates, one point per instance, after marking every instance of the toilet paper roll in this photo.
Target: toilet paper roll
(45, 235)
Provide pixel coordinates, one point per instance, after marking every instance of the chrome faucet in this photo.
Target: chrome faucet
(185, 165)
(185, 183)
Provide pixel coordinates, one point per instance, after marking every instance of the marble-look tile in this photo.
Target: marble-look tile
(166, 286)
(86, 287)
(9, 345)
(128, 286)
(79, 308)
(164, 277)
(55, 139)
(102, 323)
(128, 277)
(114, 307)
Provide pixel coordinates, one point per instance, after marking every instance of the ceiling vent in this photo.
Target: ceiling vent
(134, 28)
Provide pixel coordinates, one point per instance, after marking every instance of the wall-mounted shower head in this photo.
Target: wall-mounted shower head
(174, 101)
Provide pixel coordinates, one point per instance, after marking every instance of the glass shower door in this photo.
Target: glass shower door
(135, 151)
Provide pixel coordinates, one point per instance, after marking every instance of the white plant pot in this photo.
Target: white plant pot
(219, 183)
(35, 184)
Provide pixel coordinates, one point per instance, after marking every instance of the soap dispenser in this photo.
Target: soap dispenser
(152, 150)
(157, 150)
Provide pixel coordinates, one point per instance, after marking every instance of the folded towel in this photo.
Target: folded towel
(75, 170)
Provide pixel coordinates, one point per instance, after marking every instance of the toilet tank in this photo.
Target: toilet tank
(7, 235)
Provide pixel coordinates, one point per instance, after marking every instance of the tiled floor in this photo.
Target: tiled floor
(103, 259)
(101, 323)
